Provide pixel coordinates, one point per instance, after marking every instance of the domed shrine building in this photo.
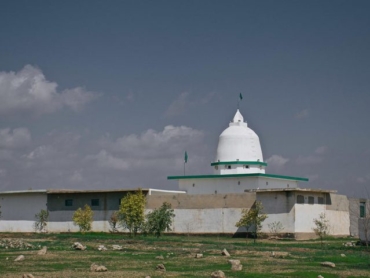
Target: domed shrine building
(239, 179)
(238, 167)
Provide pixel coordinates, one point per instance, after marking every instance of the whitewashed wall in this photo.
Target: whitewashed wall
(18, 211)
(235, 185)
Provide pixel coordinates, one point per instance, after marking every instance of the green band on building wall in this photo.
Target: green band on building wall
(239, 162)
(236, 176)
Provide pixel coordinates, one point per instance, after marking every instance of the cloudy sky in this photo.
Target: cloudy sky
(109, 94)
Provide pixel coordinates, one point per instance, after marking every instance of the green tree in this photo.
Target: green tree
(83, 218)
(160, 220)
(321, 228)
(41, 220)
(131, 212)
(252, 219)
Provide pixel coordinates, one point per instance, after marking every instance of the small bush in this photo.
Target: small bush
(41, 221)
(83, 218)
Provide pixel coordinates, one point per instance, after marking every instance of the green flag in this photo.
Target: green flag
(186, 157)
(241, 96)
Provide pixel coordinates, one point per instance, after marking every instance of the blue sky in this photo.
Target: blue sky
(109, 94)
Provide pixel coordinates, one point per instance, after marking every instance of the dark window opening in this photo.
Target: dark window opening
(320, 200)
(228, 167)
(311, 200)
(193, 184)
(246, 166)
(300, 199)
(94, 202)
(362, 209)
(68, 202)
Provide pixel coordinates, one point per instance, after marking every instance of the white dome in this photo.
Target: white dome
(238, 143)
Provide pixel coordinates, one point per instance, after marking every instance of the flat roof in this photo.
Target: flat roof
(237, 176)
(24, 191)
(70, 191)
(59, 191)
(291, 189)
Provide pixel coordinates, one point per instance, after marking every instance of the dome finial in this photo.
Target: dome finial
(238, 118)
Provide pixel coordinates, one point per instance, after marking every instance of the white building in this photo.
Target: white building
(210, 203)
(238, 167)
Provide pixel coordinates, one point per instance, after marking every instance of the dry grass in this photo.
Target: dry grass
(138, 258)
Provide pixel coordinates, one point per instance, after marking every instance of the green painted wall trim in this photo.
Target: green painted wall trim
(239, 162)
(236, 176)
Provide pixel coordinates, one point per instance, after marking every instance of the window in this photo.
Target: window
(238, 182)
(362, 209)
(246, 166)
(228, 167)
(267, 183)
(311, 200)
(300, 199)
(320, 200)
(94, 202)
(119, 202)
(68, 202)
(193, 184)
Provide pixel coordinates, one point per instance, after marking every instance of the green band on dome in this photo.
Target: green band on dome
(236, 176)
(239, 162)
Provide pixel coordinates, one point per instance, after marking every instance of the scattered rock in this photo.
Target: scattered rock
(342, 255)
(198, 256)
(42, 251)
(19, 258)
(98, 268)
(28, 275)
(78, 246)
(235, 265)
(15, 244)
(319, 276)
(148, 277)
(349, 244)
(102, 248)
(279, 254)
(159, 257)
(117, 247)
(225, 253)
(328, 264)
(218, 274)
(234, 262)
(160, 267)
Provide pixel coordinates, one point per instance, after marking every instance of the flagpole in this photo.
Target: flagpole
(185, 160)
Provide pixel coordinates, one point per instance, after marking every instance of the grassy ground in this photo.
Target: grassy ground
(138, 258)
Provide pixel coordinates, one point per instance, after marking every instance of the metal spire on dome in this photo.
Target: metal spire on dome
(238, 118)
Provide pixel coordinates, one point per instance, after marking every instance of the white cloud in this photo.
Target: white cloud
(361, 180)
(179, 105)
(28, 92)
(16, 138)
(41, 152)
(276, 162)
(321, 150)
(311, 159)
(302, 114)
(106, 160)
(153, 144)
(315, 158)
